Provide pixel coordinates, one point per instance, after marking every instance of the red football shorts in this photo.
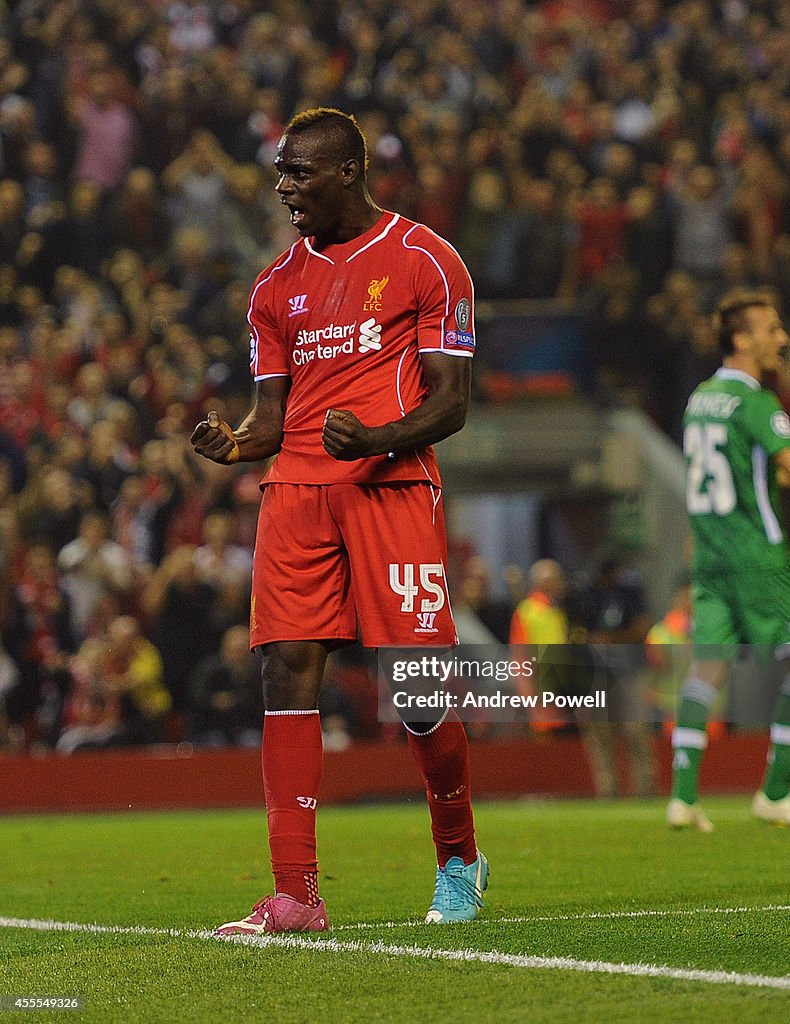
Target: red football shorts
(338, 560)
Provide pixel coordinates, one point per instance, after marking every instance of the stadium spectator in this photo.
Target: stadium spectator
(172, 108)
(671, 316)
(191, 28)
(132, 673)
(106, 464)
(173, 600)
(612, 612)
(757, 207)
(222, 321)
(225, 703)
(602, 219)
(701, 210)
(167, 481)
(92, 401)
(91, 564)
(191, 273)
(234, 109)
(539, 626)
(249, 224)
(623, 347)
(266, 125)
(546, 251)
(92, 715)
(40, 638)
(12, 219)
(105, 133)
(51, 506)
(475, 593)
(83, 238)
(648, 239)
(262, 53)
(198, 181)
(482, 223)
(12, 735)
(133, 515)
(137, 217)
(218, 559)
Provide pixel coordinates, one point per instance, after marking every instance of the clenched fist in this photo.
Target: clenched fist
(344, 437)
(214, 439)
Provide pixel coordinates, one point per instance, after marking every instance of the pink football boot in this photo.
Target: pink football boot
(278, 913)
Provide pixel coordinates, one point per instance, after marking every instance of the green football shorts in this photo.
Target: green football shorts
(731, 609)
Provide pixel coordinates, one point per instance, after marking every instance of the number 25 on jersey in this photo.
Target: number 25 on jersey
(709, 482)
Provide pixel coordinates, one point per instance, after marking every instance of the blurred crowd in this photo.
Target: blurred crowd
(628, 156)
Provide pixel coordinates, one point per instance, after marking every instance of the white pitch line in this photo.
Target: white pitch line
(45, 925)
(379, 948)
(611, 915)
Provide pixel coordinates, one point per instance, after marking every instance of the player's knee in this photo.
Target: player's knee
(291, 674)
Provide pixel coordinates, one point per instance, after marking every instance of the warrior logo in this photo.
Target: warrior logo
(426, 622)
(297, 304)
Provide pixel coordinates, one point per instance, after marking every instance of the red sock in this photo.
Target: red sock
(442, 756)
(293, 760)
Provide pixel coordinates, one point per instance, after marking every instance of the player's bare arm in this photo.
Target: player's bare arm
(257, 437)
(782, 460)
(442, 413)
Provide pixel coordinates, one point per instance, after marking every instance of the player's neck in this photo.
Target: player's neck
(744, 364)
(356, 219)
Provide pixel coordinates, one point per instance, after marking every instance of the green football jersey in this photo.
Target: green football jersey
(731, 429)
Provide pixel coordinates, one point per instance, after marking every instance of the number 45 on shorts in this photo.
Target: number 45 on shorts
(409, 580)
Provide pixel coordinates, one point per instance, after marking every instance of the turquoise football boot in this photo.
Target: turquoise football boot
(458, 895)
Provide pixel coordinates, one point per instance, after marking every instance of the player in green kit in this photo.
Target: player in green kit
(736, 439)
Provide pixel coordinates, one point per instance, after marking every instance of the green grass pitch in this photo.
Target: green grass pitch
(593, 884)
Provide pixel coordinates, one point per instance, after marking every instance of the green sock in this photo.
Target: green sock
(689, 738)
(777, 777)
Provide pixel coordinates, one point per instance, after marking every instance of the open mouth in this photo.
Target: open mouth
(296, 213)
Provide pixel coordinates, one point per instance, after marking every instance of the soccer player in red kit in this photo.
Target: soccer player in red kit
(361, 343)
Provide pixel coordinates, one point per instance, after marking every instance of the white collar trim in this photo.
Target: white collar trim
(727, 373)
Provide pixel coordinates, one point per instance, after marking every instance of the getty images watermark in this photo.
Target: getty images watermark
(490, 683)
(571, 684)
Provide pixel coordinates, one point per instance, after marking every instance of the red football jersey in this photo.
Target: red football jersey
(347, 325)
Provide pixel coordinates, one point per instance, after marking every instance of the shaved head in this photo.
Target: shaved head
(340, 133)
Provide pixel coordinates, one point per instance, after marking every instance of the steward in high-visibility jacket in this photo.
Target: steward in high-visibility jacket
(541, 625)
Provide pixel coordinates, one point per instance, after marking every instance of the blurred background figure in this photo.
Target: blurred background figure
(219, 559)
(91, 564)
(92, 715)
(482, 617)
(539, 630)
(668, 653)
(133, 675)
(41, 636)
(610, 612)
(225, 694)
(178, 606)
